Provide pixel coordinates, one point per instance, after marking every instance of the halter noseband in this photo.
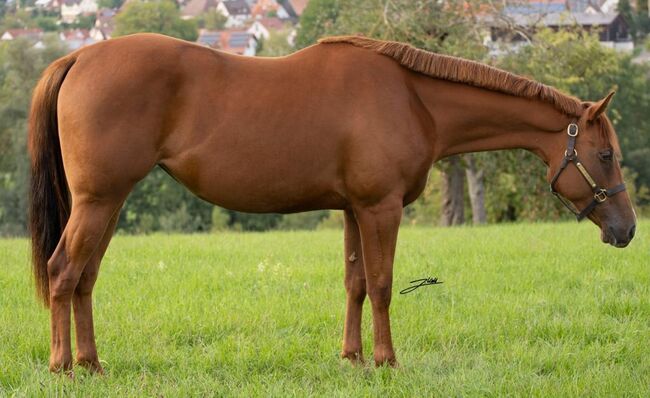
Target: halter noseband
(571, 156)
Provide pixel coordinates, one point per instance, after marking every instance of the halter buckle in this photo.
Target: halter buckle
(572, 130)
(573, 155)
(601, 196)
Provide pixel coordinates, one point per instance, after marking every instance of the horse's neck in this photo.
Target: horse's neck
(470, 119)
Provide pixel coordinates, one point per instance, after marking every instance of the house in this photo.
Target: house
(560, 6)
(268, 8)
(30, 34)
(194, 8)
(557, 14)
(592, 6)
(262, 27)
(104, 24)
(293, 8)
(76, 38)
(233, 41)
(48, 4)
(72, 9)
(237, 12)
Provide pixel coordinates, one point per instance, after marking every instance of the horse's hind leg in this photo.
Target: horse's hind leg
(82, 304)
(89, 220)
(355, 287)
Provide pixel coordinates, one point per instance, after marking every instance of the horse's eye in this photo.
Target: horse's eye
(606, 155)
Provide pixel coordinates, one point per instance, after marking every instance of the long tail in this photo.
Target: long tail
(49, 199)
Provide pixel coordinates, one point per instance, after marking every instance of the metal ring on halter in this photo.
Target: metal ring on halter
(575, 153)
(601, 196)
(573, 127)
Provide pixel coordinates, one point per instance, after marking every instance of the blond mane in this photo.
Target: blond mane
(463, 71)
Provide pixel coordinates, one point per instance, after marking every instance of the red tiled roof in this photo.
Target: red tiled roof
(299, 5)
(271, 23)
(194, 8)
(35, 32)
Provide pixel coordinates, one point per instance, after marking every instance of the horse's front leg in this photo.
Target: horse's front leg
(83, 305)
(378, 226)
(355, 287)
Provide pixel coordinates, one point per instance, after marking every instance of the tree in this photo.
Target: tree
(318, 18)
(115, 4)
(22, 66)
(160, 16)
(276, 45)
(453, 188)
(476, 188)
(212, 20)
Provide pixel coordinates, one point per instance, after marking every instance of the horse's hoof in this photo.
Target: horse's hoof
(392, 362)
(93, 366)
(61, 367)
(385, 357)
(355, 357)
(69, 373)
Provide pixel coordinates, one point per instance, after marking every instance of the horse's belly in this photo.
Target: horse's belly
(262, 185)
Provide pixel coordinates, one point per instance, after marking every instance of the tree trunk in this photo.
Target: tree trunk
(453, 189)
(476, 191)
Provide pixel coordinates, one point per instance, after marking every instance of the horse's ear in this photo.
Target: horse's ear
(597, 108)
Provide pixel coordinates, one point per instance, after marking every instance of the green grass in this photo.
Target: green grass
(541, 310)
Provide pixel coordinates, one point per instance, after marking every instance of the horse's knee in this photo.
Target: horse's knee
(356, 290)
(380, 293)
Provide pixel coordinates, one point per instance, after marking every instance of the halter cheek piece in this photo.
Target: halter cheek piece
(571, 156)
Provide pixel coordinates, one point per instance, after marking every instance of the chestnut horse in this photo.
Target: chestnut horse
(350, 123)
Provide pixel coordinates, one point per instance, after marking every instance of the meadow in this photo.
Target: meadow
(525, 310)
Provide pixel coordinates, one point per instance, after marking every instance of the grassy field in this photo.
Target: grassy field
(525, 310)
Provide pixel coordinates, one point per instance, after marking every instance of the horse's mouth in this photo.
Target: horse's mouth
(607, 236)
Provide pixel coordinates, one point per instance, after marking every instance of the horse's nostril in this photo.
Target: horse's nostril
(632, 231)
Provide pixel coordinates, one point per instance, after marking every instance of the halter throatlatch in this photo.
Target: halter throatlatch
(571, 156)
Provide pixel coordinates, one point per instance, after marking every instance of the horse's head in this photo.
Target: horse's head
(586, 175)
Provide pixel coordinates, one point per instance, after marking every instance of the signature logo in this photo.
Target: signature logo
(420, 282)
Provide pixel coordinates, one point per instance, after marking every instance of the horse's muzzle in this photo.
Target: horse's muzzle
(618, 236)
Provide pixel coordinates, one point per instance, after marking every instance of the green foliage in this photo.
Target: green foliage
(276, 45)
(429, 24)
(541, 310)
(212, 20)
(426, 209)
(306, 220)
(21, 67)
(159, 203)
(110, 3)
(253, 222)
(317, 20)
(159, 16)
(637, 18)
(220, 219)
(19, 19)
(48, 24)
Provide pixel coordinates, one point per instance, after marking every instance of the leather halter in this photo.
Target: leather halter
(571, 156)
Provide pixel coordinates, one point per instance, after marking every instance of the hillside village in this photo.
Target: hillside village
(245, 24)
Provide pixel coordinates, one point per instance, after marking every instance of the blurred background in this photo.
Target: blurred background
(583, 47)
